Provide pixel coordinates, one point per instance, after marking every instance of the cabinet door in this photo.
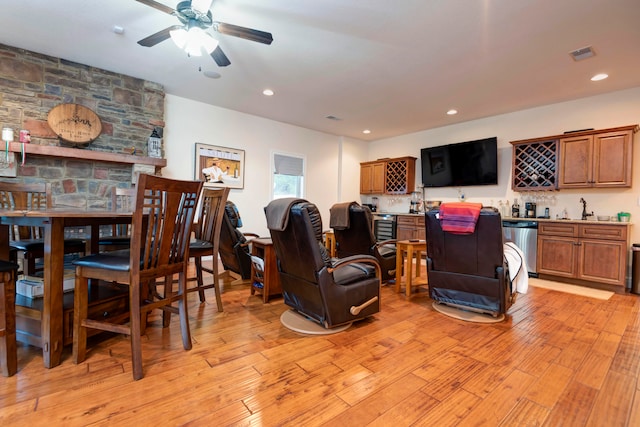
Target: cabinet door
(410, 227)
(612, 159)
(405, 228)
(557, 255)
(422, 232)
(602, 261)
(400, 175)
(372, 178)
(576, 159)
(377, 181)
(366, 179)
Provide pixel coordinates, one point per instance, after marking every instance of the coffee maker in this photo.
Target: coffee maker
(414, 203)
(529, 210)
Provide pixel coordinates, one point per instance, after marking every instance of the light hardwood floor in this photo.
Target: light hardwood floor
(558, 360)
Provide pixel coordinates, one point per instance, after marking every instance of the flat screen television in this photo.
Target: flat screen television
(462, 164)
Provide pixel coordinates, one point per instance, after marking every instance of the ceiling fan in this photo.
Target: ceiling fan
(195, 18)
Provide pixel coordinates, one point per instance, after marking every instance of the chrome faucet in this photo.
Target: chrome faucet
(584, 209)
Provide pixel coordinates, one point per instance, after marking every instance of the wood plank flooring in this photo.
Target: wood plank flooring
(557, 360)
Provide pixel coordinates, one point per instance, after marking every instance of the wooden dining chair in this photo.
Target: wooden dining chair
(28, 241)
(8, 345)
(123, 200)
(207, 240)
(160, 233)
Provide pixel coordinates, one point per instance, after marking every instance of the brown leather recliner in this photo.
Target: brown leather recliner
(234, 246)
(469, 271)
(331, 292)
(355, 237)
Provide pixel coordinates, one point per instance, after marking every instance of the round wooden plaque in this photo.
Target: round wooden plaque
(74, 123)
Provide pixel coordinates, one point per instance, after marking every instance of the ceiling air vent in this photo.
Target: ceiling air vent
(583, 53)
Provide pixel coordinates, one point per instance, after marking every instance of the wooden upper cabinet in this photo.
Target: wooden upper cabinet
(576, 159)
(388, 176)
(612, 153)
(584, 159)
(372, 176)
(599, 159)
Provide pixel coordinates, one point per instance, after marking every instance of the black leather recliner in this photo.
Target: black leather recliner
(469, 271)
(355, 237)
(331, 292)
(234, 246)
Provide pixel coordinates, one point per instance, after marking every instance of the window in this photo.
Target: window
(288, 176)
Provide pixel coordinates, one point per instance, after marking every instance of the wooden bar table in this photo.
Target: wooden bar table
(54, 221)
(414, 250)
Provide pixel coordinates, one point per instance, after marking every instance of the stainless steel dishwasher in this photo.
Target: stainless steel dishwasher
(525, 235)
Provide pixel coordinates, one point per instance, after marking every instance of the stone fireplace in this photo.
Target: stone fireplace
(81, 176)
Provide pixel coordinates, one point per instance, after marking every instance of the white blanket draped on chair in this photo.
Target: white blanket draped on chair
(517, 267)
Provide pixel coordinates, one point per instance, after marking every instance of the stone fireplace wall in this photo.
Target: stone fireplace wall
(31, 84)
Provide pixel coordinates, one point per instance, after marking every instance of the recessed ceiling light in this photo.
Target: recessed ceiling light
(118, 29)
(366, 131)
(211, 74)
(267, 92)
(599, 77)
(452, 112)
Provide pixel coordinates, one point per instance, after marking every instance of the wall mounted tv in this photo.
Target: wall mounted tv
(461, 164)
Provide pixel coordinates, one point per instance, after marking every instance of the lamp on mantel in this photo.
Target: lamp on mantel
(193, 39)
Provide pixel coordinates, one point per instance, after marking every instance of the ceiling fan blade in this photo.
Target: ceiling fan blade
(220, 58)
(158, 37)
(242, 32)
(159, 6)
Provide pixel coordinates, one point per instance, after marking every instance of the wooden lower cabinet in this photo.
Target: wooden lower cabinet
(590, 252)
(410, 227)
(557, 255)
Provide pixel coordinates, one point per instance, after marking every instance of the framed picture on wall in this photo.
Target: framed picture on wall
(219, 166)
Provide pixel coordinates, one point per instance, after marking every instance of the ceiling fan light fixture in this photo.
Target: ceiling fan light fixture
(201, 6)
(193, 41)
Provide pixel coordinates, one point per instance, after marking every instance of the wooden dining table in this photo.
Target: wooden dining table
(54, 221)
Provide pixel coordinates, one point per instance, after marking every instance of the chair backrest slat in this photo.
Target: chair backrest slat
(21, 196)
(161, 224)
(210, 215)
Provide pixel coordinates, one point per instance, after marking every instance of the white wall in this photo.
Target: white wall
(333, 162)
(188, 122)
(599, 112)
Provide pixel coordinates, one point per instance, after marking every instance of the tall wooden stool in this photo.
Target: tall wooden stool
(414, 250)
(8, 348)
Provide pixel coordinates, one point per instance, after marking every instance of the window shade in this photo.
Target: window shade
(287, 165)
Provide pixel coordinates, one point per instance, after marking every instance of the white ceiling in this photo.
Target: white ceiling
(392, 66)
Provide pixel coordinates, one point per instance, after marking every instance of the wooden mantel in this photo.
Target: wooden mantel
(82, 154)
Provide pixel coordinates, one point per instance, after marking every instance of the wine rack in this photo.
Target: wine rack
(535, 166)
(400, 175)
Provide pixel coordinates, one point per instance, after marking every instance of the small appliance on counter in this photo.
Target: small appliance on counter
(414, 206)
(529, 210)
(373, 206)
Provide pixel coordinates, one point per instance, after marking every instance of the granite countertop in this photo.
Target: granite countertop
(399, 213)
(507, 218)
(578, 221)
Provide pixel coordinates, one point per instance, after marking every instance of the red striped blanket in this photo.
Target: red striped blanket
(459, 217)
